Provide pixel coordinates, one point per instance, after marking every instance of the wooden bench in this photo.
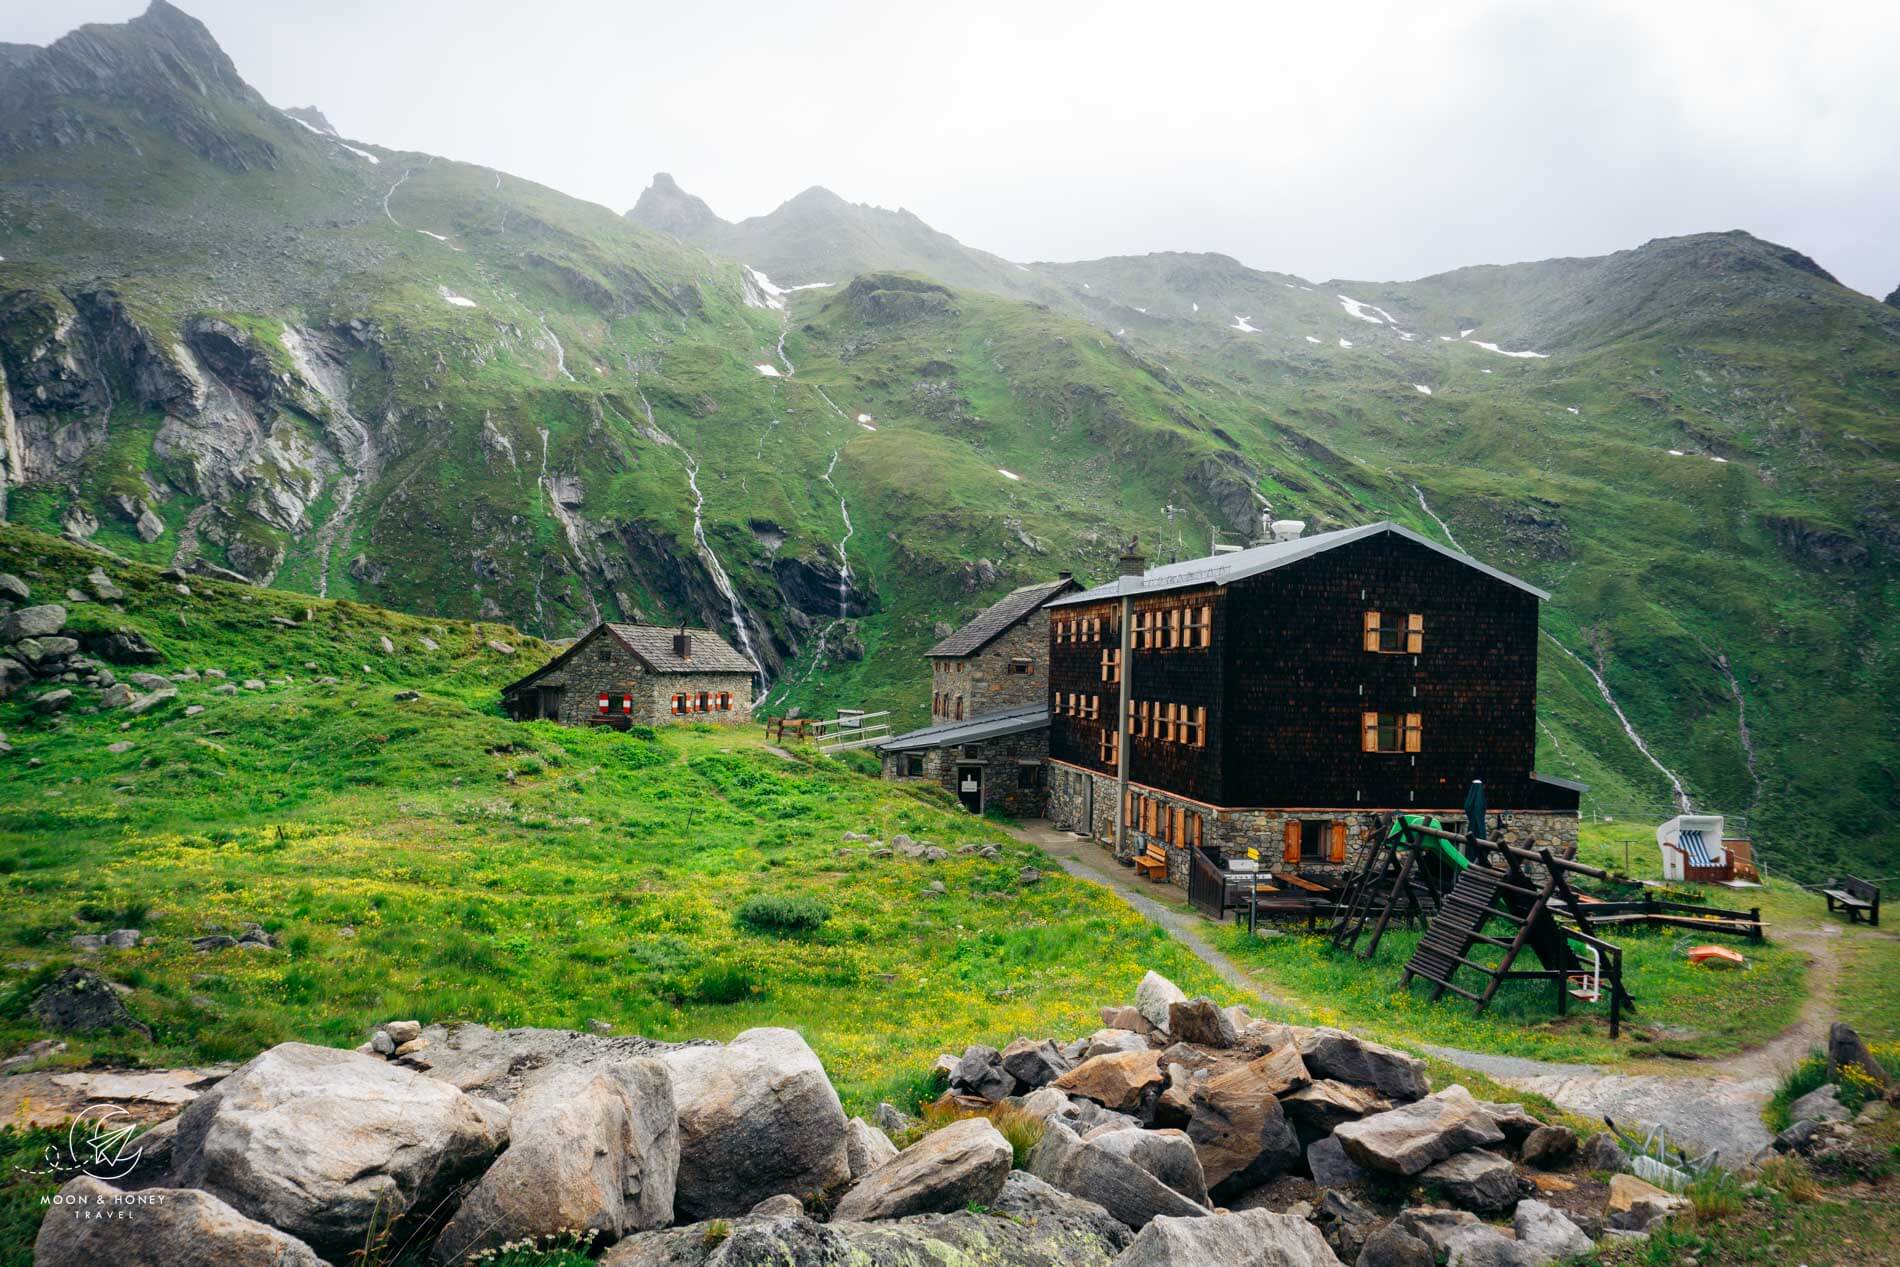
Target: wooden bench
(1857, 898)
(1153, 861)
(1299, 882)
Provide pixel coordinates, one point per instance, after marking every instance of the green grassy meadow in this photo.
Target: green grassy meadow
(432, 859)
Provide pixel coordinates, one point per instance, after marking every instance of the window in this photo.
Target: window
(725, 701)
(1393, 633)
(705, 699)
(1095, 708)
(913, 765)
(1174, 628)
(1144, 630)
(1164, 722)
(679, 705)
(1138, 719)
(1021, 664)
(1391, 732)
(1110, 749)
(1059, 628)
(605, 654)
(1165, 821)
(1197, 628)
(1194, 726)
(1029, 777)
(959, 708)
(1314, 840)
(1111, 666)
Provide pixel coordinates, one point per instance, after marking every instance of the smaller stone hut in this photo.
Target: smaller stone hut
(621, 675)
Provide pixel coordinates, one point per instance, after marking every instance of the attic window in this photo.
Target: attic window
(1394, 633)
(605, 653)
(1021, 664)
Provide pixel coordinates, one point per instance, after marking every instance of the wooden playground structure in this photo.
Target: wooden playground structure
(1471, 892)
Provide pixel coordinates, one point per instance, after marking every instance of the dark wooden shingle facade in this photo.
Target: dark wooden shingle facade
(1282, 690)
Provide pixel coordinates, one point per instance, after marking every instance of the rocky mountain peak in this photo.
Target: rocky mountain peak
(314, 117)
(664, 206)
(161, 72)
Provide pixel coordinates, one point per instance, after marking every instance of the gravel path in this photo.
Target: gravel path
(1699, 1110)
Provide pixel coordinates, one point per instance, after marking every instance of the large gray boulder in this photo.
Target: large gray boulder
(1168, 1155)
(1547, 1232)
(1321, 1107)
(32, 622)
(1333, 1053)
(1029, 1224)
(590, 1149)
(1475, 1180)
(866, 1147)
(757, 1117)
(1434, 1226)
(1154, 996)
(497, 1064)
(980, 1072)
(1238, 1127)
(1331, 1168)
(1823, 1104)
(1844, 1047)
(1255, 1238)
(960, 1165)
(323, 1143)
(1405, 1140)
(1393, 1246)
(170, 1227)
(1201, 1021)
(1034, 1064)
(1089, 1170)
(1481, 1245)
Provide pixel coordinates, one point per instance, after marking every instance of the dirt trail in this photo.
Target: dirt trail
(1699, 1109)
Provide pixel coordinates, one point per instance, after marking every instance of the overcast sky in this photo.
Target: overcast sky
(1362, 140)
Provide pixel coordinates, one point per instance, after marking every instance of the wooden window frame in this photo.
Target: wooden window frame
(679, 706)
(1174, 628)
(1406, 730)
(959, 709)
(1112, 665)
(725, 701)
(1019, 666)
(1397, 636)
(1109, 747)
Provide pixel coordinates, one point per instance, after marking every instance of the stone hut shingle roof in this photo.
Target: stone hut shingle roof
(999, 616)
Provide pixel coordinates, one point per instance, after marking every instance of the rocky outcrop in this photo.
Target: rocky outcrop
(93, 1223)
(664, 206)
(593, 1150)
(757, 1117)
(897, 298)
(1475, 1180)
(323, 1143)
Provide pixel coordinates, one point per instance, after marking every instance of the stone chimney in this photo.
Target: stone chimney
(683, 645)
(1133, 564)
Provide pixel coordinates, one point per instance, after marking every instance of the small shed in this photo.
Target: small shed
(620, 674)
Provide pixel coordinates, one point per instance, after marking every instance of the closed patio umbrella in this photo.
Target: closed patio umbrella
(1474, 811)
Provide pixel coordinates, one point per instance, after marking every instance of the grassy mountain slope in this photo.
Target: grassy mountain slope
(429, 858)
(406, 380)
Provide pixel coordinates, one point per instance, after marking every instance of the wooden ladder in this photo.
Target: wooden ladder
(1472, 903)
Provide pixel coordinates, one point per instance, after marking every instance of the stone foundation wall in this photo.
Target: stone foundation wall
(1003, 762)
(1234, 831)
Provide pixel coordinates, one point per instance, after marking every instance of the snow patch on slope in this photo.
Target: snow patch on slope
(450, 297)
(1241, 324)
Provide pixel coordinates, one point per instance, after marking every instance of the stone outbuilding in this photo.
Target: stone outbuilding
(622, 675)
(988, 740)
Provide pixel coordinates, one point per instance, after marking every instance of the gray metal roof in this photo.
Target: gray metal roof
(999, 616)
(1225, 569)
(950, 734)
